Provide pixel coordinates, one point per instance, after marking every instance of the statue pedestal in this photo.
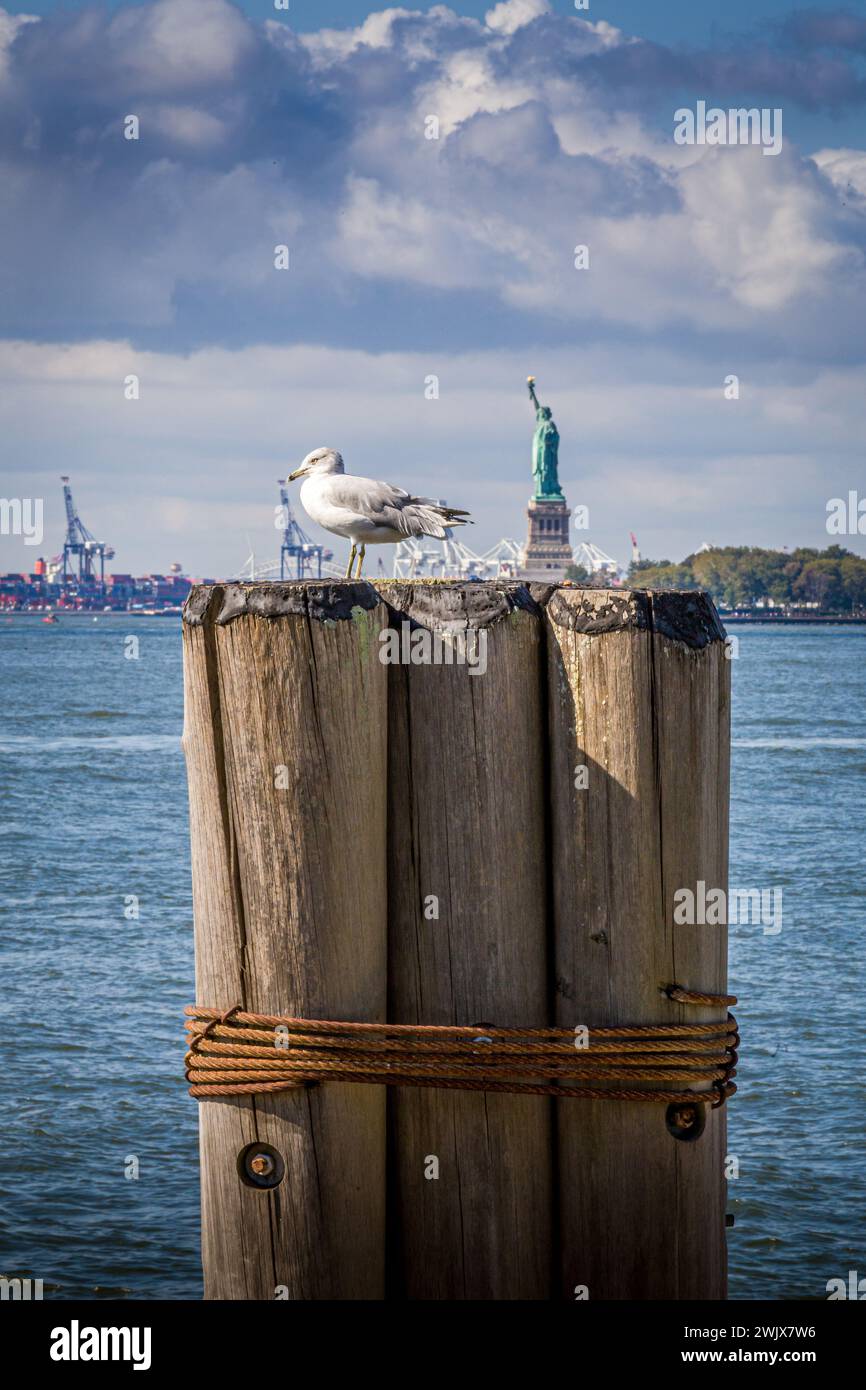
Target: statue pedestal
(547, 552)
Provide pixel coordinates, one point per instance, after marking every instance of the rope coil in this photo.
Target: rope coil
(234, 1052)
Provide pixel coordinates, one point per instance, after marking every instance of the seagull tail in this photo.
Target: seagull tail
(423, 518)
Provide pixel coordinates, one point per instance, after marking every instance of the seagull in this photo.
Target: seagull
(364, 511)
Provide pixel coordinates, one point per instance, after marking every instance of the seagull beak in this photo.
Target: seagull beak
(297, 473)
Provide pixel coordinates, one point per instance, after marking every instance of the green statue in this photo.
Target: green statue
(545, 451)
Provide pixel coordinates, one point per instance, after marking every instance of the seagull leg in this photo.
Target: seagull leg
(361, 553)
(351, 561)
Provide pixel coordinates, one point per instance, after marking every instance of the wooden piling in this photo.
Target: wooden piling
(470, 1174)
(285, 740)
(639, 739)
(410, 841)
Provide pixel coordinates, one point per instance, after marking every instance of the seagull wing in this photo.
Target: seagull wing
(383, 504)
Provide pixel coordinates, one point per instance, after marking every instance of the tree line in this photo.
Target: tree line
(740, 576)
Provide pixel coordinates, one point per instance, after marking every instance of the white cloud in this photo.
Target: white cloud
(391, 237)
(846, 169)
(765, 236)
(328, 46)
(9, 26)
(417, 37)
(464, 86)
(185, 124)
(252, 136)
(511, 15)
(173, 43)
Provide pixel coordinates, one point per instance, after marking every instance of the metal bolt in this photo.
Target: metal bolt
(685, 1121)
(262, 1165)
(685, 1117)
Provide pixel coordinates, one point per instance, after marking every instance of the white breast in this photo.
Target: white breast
(321, 500)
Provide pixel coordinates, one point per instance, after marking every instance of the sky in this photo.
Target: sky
(415, 259)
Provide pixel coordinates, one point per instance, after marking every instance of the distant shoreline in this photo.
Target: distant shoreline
(844, 620)
(61, 613)
(775, 620)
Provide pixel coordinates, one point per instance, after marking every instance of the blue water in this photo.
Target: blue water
(94, 812)
(798, 1123)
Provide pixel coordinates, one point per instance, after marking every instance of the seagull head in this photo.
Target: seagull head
(320, 461)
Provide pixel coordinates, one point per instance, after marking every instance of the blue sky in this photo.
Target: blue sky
(413, 257)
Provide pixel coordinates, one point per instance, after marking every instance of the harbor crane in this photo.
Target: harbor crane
(82, 547)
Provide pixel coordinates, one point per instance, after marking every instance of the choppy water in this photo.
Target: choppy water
(94, 813)
(798, 1124)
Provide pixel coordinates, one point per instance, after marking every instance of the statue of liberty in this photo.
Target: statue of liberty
(545, 451)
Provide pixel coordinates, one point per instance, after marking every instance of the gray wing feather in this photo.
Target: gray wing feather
(386, 505)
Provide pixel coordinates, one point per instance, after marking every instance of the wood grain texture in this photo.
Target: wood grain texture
(692, 714)
(403, 784)
(466, 815)
(646, 714)
(290, 911)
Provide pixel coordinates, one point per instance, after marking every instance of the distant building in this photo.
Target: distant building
(547, 553)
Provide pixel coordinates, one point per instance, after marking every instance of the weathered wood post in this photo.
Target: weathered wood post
(489, 831)
(470, 1174)
(639, 748)
(285, 740)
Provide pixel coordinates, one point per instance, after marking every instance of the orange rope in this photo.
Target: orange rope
(239, 1053)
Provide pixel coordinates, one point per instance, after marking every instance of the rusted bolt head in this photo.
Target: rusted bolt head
(685, 1117)
(686, 1121)
(261, 1166)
